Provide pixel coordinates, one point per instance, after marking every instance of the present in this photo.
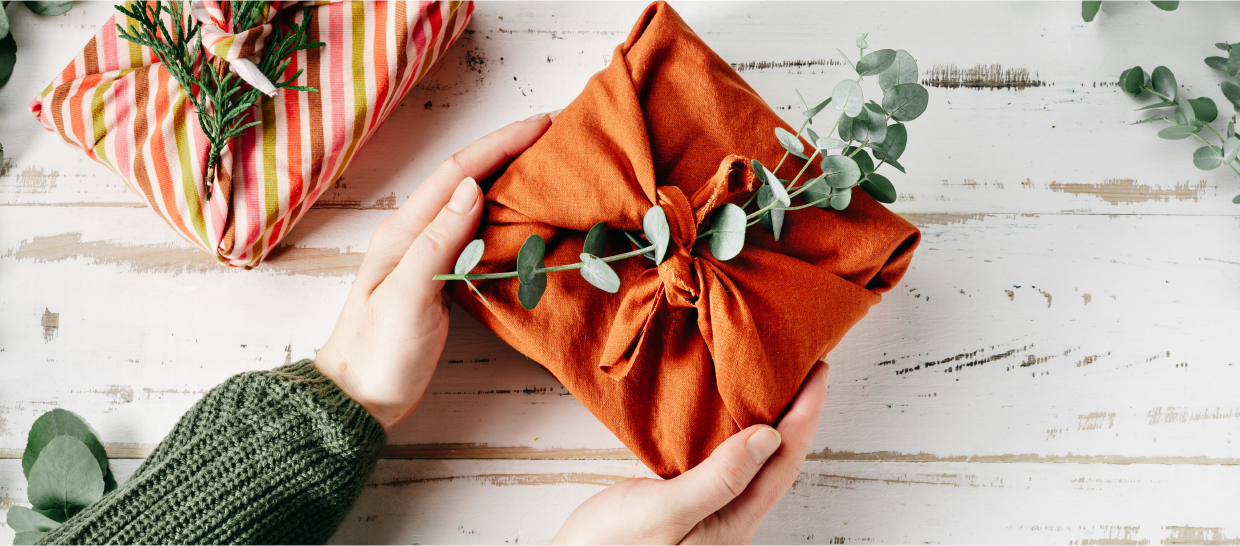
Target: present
(127, 108)
(686, 353)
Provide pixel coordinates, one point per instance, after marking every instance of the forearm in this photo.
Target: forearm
(275, 456)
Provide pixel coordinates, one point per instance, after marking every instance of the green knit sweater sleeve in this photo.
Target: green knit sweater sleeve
(270, 457)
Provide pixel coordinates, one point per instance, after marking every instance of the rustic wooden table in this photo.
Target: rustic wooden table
(1060, 365)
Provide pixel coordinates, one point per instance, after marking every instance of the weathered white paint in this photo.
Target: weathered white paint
(1079, 278)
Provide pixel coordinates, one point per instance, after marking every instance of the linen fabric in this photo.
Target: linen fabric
(691, 351)
(117, 102)
(267, 457)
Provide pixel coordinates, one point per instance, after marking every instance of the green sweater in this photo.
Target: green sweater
(269, 457)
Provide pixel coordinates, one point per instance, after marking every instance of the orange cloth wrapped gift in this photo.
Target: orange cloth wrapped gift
(691, 351)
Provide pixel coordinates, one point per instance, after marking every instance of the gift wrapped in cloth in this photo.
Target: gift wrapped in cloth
(118, 102)
(692, 350)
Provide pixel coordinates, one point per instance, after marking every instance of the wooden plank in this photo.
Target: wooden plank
(1058, 142)
(1058, 338)
(419, 501)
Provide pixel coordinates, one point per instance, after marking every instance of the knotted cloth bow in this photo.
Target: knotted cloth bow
(225, 42)
(693, 350)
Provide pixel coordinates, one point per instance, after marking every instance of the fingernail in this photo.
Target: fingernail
(536, 116)
(464, 197)
(555, 114)
(762, 444)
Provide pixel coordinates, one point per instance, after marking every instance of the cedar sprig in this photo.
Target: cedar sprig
(858, 125)
(219, 96)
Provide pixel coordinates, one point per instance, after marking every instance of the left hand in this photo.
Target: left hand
(388, 338)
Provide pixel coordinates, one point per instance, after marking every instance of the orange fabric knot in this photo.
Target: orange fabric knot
(676, 271)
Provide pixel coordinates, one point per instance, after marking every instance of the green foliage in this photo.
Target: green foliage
(598, 273)
(1089, 8)
(727, 232)
(1191, 117)
(528, 258)
(66, 470)
(596, 240)
(657, 232)
(8, 45)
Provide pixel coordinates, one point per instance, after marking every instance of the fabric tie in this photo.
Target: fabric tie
(237, 49)
(676, 271)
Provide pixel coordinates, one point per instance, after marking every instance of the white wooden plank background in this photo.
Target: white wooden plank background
(1059, 365)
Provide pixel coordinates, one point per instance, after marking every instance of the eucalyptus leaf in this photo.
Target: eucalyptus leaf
(1160, 104)
(1217, 63)
(847, 97)
(811, 112)
(772, 220)
(841, 200)
(880, 188)
(880, 154)
(4, 22)
(817, 193)
(875, 62)
(811, 136)
(861, 158)
(58, 516)
(1236, 199)
(906, 101)
(870, 126)
(1231, 130)
(1204, 109)
(637, 242)
(828, 143)
(1207, 158)
(469, 257)
(790, 142)
(1223, 46)
(1232, 92)
(1159, 117)
(1177, 132)
(23, 519)
(1132, 81)
(729, 232)
(1233, 61)
(897, 138)
(28, 537)
(60, 422)
(1089, 9)
(839, 171)
(861, 43)
(903, 70)
(1164, 83)
(598, 273)
(657, 232)
(1230, 148)
(8, 57)
(530, 293)
(596, 240)
(844, 129)
(1166, 5)
(66, 477)
(1184, 113)
(49, 8)
(528, 258)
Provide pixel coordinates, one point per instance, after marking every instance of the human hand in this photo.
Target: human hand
(389, 336)
(722, 500)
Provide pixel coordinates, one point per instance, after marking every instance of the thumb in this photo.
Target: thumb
(435, 250)
(713, 483)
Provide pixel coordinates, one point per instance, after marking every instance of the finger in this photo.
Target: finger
(715, 482)
(436, 249)
(797, 428)
(478, 160)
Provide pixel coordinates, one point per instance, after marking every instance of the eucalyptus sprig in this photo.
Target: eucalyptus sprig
(66, 470)
(1191, 116)
(859, 126)
(218, 95)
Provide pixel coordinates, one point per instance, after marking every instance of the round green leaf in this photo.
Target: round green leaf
(657, 232)
(1166, 5)
(49, 8)
(596, 240)
(840, 200)
(1230, 148)
(828, 143)
(906, 101)
(790, 142)
(1204, 109)
(870, 126)
(1184, 113)
(1207, 158)
(880, 188)
(1230, 90)
(844, 128)
(861, 43)
(1164, 82)
(8, 57)
(811, 112)
(729, 232)
(599, 274)
(4, 23)
(23, 519)
(60, 422)
(847, 97)
(1089, 9)
(773, 220)
(528, 258)
(28, 537)
(469, 257)
(903, 70)
(1177, 132)
(529, 293)
(897, 139)
(777, 189)
(875, 62)
(1132, 80)
(840, 171)
(66, 477)
(1217, 63)
(1231, 131)
(817, 193)
(1236, 199)
(861, 158)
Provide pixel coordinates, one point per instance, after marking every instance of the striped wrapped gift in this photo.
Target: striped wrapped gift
(119, 104)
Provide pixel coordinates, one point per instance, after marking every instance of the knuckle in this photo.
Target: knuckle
(731, 478)
(437, 236)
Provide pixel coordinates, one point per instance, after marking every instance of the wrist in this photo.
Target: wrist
(332, 364)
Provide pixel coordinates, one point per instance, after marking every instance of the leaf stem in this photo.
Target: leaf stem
(474, 276)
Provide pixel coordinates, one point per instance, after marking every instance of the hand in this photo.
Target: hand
(389, 336)
(722, 500)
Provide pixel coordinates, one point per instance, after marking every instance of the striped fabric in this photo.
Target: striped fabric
(119, 104)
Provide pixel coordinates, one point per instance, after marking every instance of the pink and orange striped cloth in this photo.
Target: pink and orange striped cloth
(119, 104)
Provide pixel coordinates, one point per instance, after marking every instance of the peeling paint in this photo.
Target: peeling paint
(1095, 421)
(1199, 535)
(766, 65)
(51, 323)
(36, 180)
(941, 219)
(1088, 298)
(501, 480)
(982, 76)
(1164, 416)
(1126, 191)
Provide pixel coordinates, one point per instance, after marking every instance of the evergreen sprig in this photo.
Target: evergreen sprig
(1192, 116)
(220, 97)
(859, 125)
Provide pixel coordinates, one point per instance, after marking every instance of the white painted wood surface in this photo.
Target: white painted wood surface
(1060, 364)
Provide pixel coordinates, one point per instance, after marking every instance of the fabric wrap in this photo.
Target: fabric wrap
(117, 102)
(691, 351)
